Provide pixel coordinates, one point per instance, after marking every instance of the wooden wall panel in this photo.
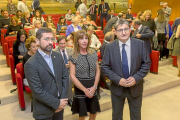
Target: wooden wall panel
(154, 5)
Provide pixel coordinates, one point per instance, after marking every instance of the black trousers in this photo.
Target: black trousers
(56, 116)
(93, 17)
(135, 104)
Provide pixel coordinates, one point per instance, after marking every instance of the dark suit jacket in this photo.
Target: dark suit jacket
(100, 9)
(24, 22)
(68, 49)
(112, 66)
(95, 11)
(102, 48)
(109, 17)
(45, 85)
(146, 34)
(110, 24)
(36, 4)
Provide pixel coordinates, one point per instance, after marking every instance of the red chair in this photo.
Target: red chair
(3, 34)
(101, 40)
(154, 56)
(11, 58)
(27, 30)
(98, 20)
(99, 60)
(7, 45)
(134, 14)
(171, 22)
(174, 61)
(63, 34)
(100, 34)
(68, 22)
(104, 23)
(19, 81)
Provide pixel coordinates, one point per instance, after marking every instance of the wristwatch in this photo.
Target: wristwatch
(95, 87)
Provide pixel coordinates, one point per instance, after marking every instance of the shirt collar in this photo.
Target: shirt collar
(44, 54)
(106, 41)
(140, 27)
(127, 43)
(74, 26)
(61, 50)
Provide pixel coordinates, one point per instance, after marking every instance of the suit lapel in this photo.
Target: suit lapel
(133, 55)
(43, 63)
(54, 61)
(117, 51)
(140, 30)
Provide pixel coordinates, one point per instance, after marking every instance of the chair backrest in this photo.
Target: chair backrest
(20, 69)
(68, 22)
(99, 56)
(11, 58)
(11, 51)
(27, 30)
(10, 38)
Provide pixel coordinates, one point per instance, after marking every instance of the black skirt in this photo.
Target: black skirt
(161, 36)
(82, 104)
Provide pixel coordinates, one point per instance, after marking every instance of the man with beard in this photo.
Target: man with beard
(48, 79)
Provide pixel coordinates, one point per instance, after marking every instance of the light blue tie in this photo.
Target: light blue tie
(125, 62)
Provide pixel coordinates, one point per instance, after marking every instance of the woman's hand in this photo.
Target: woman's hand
(92, 91)
(87, 93)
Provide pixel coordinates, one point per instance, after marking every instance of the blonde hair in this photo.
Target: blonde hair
(14, 18)
(29, 41)
(48, 18)
(80, 34)
(51, 25)
(25, 13)
(139, 14)
(74, 18)
(145, 13)
(160, 17)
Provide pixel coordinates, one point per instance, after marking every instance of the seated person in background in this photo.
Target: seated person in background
(73, 27)
(52, 26)
(55, 37)
(19, 15)
(2, 14)
(19, 49)
(32, 32)
(70, 39)
(14, 27)
(38, 17)
(129, 16)
(79, 19)
(89, 21)
(4, 22)
(48, 20)
(110, 15)
(32, 48)
(11, 8)
(95, 43)
(25, 21)
(62, 25)
(77, 13)
(69, 15)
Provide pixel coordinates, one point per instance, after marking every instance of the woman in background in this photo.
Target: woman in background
(19, 49)
(38, 16)
(19, 15)
(26, 22)
(48, 20)
(85, 73)
(62, 25)
(161, 24)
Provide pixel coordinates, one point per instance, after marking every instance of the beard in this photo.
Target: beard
(48, 48)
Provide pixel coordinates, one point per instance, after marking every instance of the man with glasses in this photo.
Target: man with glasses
(126, 62)
(65, 53)
(48, 79)
(32, 32)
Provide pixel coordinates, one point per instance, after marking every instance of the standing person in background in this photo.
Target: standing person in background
(35, 4)
(126, 62)
(167, 11)
(77, 4)
(85, 73)
(103, 11)
(129, 16)
(48, 79)
(11, 8)
(83, 8)
(22, 6)
(161, 24)
(69, 15)
(175, 24)
(93, 10)
(111, 15)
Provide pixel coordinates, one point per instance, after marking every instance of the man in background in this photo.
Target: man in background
(167, 11)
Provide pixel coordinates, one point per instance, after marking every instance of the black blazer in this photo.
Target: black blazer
(102, 48)
(146, 34)
(95, 11)
(109, 17)
(100, 9)
(45, 85)
(112, 66)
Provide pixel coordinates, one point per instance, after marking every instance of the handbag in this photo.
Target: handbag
(170, 44)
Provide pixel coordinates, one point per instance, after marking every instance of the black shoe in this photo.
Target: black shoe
(70, 102)
(99, 97)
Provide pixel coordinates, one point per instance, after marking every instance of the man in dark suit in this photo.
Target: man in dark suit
(111, 15)
(126, 62)
(48, 79)
(103, 11)
(143, 33)
(93, 10)
(111, 22)
(65, 53)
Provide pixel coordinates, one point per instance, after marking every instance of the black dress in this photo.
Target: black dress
(85, 66)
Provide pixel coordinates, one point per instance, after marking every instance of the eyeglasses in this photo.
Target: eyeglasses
(49, 39)
(121, 30)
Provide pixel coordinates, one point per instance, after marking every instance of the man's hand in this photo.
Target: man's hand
(67, 65)
(130, 82)
(63, 103)
(138, 35)
(122, 82)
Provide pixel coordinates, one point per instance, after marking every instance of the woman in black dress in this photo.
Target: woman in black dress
(85, 73)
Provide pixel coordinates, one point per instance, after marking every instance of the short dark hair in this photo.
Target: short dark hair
(137, 22)
(2, 11)
(61, 37)
(102, 0)
(42, 30)
(111, 9)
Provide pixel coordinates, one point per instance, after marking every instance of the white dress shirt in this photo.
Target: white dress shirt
(83, 9)
(128, 51)
(65, 53)
(95, 42)
(75, 28)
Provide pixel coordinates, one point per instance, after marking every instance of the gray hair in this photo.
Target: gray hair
(74, 19)
(41, 31)
(109, 36)
(36, 21)
(121, 21)
(137, 22)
